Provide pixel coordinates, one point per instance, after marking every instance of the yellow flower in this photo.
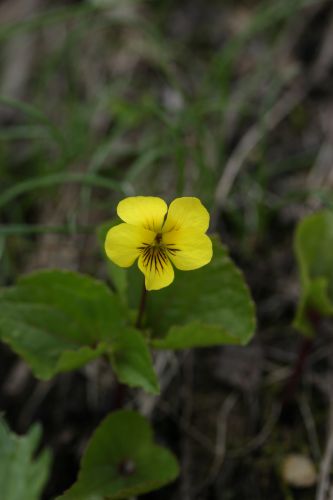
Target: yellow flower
(157, 235)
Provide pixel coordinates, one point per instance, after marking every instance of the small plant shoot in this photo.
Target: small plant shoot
(313, 247)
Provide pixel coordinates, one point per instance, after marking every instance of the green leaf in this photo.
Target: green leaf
(60, 320)
(22, 475)
(313, 245)
(208, 306)
(121, 461)
(132, 363)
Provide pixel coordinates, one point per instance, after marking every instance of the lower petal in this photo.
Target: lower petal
(123, 242)
(158, 272)
(188, 249)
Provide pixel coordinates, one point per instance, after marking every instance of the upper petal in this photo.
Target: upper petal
(123, 242)
(188, 248)
(158, 272)
(187, 212)
(145, 211)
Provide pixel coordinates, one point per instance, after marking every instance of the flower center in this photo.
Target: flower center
(155, 254)
(154, 257)
(158, 238)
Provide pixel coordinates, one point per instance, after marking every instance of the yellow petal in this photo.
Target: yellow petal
(188, 248)
(145, 211)
(187, 212)
(157, 269)
(123, 242)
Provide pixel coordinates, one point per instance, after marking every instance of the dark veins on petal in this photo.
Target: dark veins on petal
(155, 256)
(172, 249)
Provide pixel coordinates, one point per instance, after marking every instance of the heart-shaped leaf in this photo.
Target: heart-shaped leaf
(122, 460)
(22, 475)
(59, 320)
(208, 306)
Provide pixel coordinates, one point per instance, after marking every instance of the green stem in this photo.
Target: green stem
(142, 307)
(121, 389)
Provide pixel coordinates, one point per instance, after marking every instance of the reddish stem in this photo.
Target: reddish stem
(295, 377)
(303, 354)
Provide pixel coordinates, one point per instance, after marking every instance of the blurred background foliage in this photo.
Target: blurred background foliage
(230, 101)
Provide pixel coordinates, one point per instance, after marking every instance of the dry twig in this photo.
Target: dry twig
(166, 367)
(310, 427)
(186, 484)
(326, 464)
(19, 51)
(282, 108)
(221, 439)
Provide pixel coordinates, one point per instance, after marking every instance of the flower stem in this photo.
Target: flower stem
(121, 389)
(142, 307)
